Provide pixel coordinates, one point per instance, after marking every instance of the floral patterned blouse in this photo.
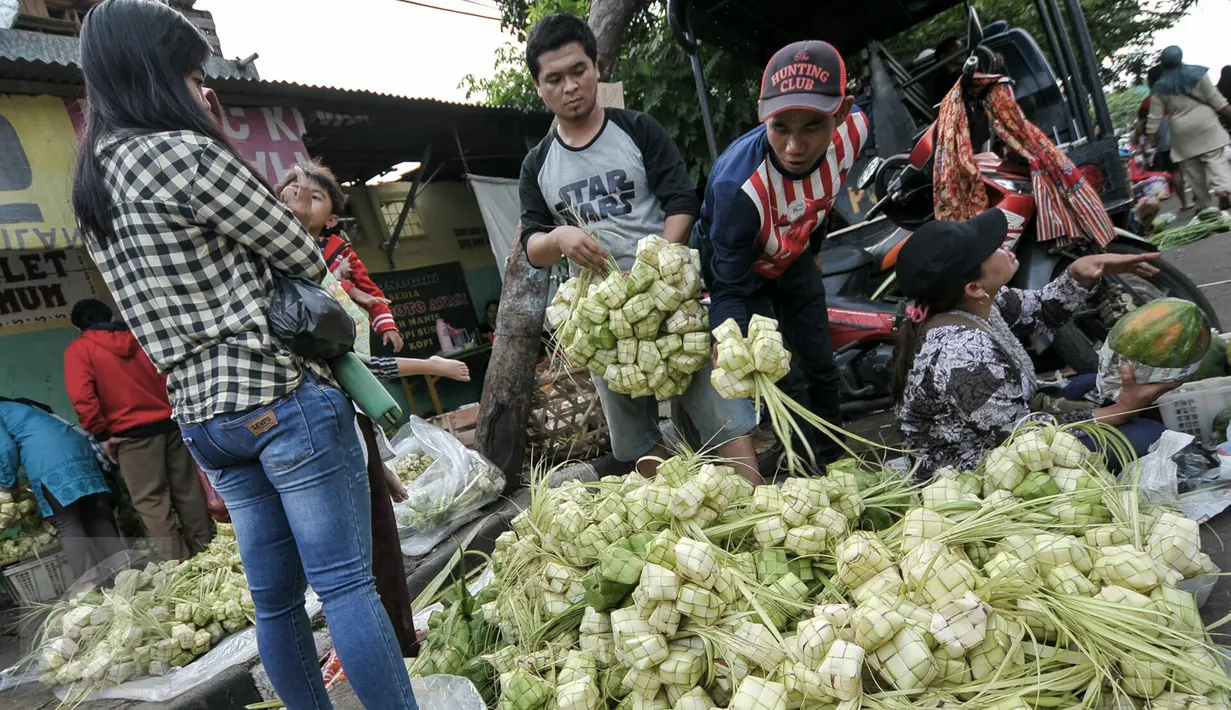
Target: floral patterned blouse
(967, 390)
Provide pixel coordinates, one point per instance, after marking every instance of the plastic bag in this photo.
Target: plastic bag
(234, 650)
(1159, 476)
(448, 494)
(1108, 389)
(433, 692)
(363, 328)
(1159, 481)
(309, 320)
(446, 692)
(1195, 468)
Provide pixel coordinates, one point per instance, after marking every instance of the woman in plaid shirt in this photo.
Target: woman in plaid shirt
(190, 241)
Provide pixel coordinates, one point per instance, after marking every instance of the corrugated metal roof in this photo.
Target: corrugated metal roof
(40, 72)
(54, 59)
(292, 91)
(39, 47)
(57, 59)
(358, 133)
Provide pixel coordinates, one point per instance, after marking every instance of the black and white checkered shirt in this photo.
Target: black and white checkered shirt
(198, 242)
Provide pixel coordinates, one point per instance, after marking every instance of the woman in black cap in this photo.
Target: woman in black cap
(962, 379)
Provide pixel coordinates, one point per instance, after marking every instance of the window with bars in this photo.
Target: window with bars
(472, 238)
(412, 228)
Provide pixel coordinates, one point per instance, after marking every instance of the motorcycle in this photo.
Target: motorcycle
(865, 311)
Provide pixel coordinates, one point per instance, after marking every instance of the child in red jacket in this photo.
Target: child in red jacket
(328, 201)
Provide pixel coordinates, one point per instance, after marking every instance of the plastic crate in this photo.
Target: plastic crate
(40, 580)
(1192, 407)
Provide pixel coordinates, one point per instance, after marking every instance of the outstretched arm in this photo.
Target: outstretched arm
(435, 365)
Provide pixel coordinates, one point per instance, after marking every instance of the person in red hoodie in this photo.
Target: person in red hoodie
(122, 400)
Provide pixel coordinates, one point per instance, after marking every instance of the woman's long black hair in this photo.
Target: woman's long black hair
(911, 329)
(135, 55)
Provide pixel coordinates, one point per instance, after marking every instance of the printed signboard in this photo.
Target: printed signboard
(418, 297)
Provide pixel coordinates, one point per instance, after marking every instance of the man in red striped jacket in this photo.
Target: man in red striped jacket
(765, 215)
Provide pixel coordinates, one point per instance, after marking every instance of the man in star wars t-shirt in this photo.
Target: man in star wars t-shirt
(764, 217)
(620, 173)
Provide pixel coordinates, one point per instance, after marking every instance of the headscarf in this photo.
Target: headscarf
(1068, 205)
(1178, 78)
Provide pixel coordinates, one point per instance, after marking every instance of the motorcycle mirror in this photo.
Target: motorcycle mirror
(869, 173)
(974, 30)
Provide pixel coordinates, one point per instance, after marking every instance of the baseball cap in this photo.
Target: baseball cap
(940, 254)
(809, 75)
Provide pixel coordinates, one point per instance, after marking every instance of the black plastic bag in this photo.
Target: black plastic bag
(309, 319)
(1195, 468)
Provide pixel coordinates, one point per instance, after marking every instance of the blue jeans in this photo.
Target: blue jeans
(293, 477)
(1140, 431)
(633, 421)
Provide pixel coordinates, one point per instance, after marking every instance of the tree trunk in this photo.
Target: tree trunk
(609, 19)
(500, 433)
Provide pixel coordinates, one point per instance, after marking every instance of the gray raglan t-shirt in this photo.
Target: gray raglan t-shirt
(623, 185)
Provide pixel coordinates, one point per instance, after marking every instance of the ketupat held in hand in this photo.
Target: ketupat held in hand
(649, 318)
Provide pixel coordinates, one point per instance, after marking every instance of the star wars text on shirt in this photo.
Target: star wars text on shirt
(598, 196)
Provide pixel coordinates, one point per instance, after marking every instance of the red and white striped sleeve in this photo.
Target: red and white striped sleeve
(379, 313)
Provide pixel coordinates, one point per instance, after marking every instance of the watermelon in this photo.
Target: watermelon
(1168, 332)
(1214, 364)
(1218, 430)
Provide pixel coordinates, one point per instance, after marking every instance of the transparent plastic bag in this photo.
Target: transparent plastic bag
(433, 692)
(446, 692)
(234, 650)
(449, 493)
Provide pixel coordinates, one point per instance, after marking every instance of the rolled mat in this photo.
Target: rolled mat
(368, 393)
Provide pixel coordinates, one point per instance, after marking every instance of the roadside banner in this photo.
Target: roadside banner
(38, 288)
(418, 297)
(37, 151)
(38, 148)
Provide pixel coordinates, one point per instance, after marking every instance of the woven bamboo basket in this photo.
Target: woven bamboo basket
(566, 418)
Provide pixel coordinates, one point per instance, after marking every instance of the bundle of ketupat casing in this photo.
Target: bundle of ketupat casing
(645, 332)
(16, 507)
(148, 622)
(982, 589)
(31, 538)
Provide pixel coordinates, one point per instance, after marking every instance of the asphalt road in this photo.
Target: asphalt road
(1208, 264)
